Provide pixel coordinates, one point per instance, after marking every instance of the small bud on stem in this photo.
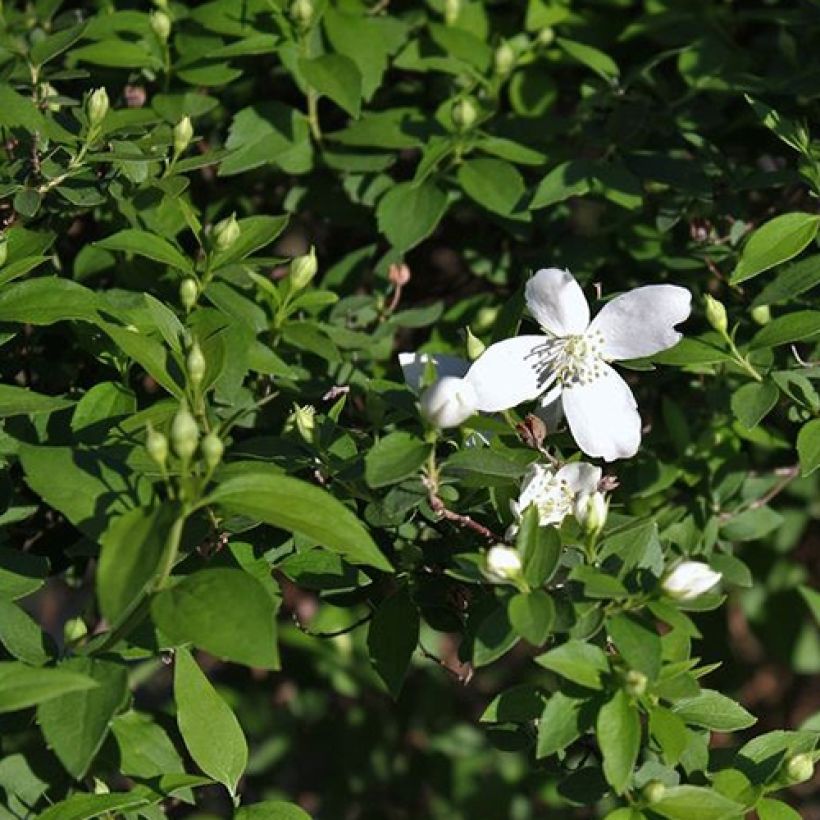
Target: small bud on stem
(97, 107)
(157, 445)
(184, 433)
(226, 233)
(188, 293)
(303, 269)
(195, 365)
(183, 134)
(716, 314)
(212, 449)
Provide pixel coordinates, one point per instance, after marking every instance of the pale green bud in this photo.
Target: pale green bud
(546, 36)
(184, 433)
(47, 90)
(635, 683)
(304, 417)
(4, 250)
(716, 314)
(188, 293)
(452, 8)
(97, 106)
(226, 233)
(75, 630)
(157, 445)
(303, 269)
(485, 319)
(799, 768)
(653, 791)
(464, 113)
(183, 134)
(160, 24)
(591, 512)
(212, 449)
(301, 11)
(195, 365)
(475, 347)
(504, 59)
(761, 314)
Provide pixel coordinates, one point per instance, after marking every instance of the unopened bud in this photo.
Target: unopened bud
(188, 292)
(485, 319)
(157, 445)
(49, 92)
(226, 233)
(304, 417)
(4, 250)
(591, 511)
(475, 347)
(635, 683)
(160, 24)
(503, 563)
(689, 579)
(399, 274)
(464, 113)
(716, 314)
(653, 791)
(75, 630)
(546, 36)
(504, 59)
(303, 269)
(799, 768)
(301, 11)
(448, 402)
(97, 106)
(195, 365)
(452, 8)
(184, 433)
(761, 314)
(183, 134)
(532, 431)
(212, 449)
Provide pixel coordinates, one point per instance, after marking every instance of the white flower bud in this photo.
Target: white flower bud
(591, 511)
(546, 36)
(195, 365)
(226, 233)
(97, 106)
(212, 449)
(448, 402)
(464, 113)
(504, 59)
(503, 562)
(157, 445)
(635, 683)
(799, 768)
(690, 579)
(452, 8)
(303, 269)
(716, 314)
(302, 12)
(188, 292)
(183, 134)
(160, 24)
(761, 314)
(653, 791)
(184, 433)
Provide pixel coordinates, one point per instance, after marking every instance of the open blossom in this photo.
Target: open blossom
(570, 362)
(555, 494)
(690, 579)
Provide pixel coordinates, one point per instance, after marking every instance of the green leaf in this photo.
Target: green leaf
(408, 213)
(808, 447)
(561, 723)
(75, 724)
(47, 300)
(83, 806)
(812, 599)
(393, 458)
(795, 279)
(493, 183)
(595, 59)
(55, 44)
(337, 77)
(768, 809)
(794, 327)
(688, 802)
(753, 402)
(294, 505)
(577, 661)
(712, 710)
(539, 547)
(145, 749)
(618, 730)
(21, 573)
(638, 642)
(670, 733)
(132, 549)
(519, 704)
(144, 243)
(271, 810)
(483, 466)
(774, 242)
(21, 636)
(226, 612)
(532, 615)
(22, 686)
(211, 732)
(116, 53)
(494, 636)
(256, 233)
(392, 638)
(751, 524)
(18, 401)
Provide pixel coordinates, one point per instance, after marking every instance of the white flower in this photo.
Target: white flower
(690, 579)
(414, 366)
(503, 562)
(554, 494)
(571, 361)
(448, 402)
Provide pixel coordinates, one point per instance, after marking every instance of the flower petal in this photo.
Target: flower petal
(581, 477)
(641, 322)
(603, 417)
(509, 373)
(557, 302)
(413, 366)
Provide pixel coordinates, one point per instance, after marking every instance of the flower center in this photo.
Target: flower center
(553, 501)
(578, 359)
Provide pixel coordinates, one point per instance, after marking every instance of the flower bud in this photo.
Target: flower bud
(4, 250)
(591, 511)
(399, 274)
(485, 318)
(798, 768)
(761, 314)
(183, 134)
(75, 630)
(452, 8)
(160, 24)
(464, 113)
(226, 233)
(546, 36)
(188, 293)
(635, 683)
(475, 347)
(304, 417)
(716, 314)
(448, 402)
(97, 106)
(689, 579)
(303, 269)
(48, 91)
(184, 433)
(212, 449)
(653, 791)
(301, 11)
(195, 365)
(157, 445)
(503, 563)
(504, 59)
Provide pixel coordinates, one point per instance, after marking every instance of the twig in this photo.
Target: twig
(786, 474)
(335, 634)
(463, 678)
(440, 509)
